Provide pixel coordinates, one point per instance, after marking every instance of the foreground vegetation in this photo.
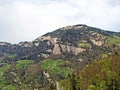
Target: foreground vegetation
(25, 74)
(57, 67)
(6, 82)
(100, 75)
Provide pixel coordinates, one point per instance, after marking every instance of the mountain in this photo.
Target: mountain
(51, 58)
(79, 42)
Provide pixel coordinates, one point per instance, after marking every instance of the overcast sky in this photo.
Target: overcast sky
(25, 20)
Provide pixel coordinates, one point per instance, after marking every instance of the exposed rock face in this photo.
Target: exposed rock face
(71, 49)
(57, 49)
(98, 43)
(37, 44)
(76, 27)
(45, 55)
(25, 44)
(49, 38)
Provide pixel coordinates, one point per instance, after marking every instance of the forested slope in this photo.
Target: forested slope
(103, 74)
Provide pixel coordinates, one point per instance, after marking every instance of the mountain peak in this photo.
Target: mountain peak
(74, 27)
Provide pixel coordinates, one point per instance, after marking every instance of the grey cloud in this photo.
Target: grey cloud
(27, 19)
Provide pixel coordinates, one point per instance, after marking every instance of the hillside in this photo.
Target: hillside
(52, 60)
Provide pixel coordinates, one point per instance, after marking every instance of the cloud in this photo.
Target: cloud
(27, 19)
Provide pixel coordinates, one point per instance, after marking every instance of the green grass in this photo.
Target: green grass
(114, 40)
(23, 64)
(19, 65)
(56, 67)
(2, 82)
(104, 55)
(12, 56)
(9, 87)
(4, 68)
(84, 45)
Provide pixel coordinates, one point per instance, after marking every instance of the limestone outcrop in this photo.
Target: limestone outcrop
(59, 48)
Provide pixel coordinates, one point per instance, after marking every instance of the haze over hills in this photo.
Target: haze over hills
(68, 49)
